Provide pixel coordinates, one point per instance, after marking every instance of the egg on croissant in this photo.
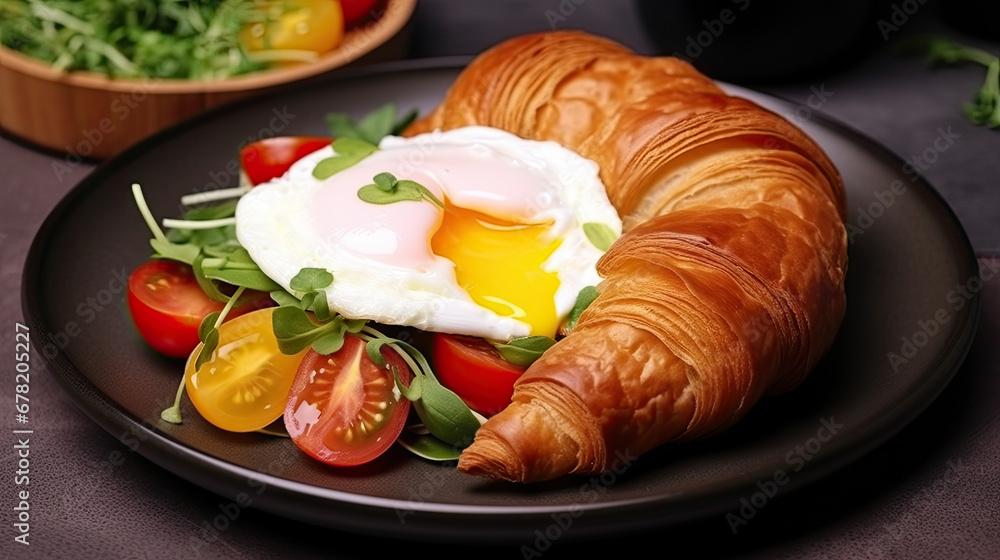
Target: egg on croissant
(727, 284)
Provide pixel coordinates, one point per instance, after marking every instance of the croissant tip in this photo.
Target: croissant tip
(490, 456)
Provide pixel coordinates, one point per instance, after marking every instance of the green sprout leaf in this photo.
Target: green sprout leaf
(207, 325)
(386, 189)
(283, 298)
(385, 181)
(601, 235)
(253, 279)
(311, 279)
(206, 284)
(418, 440)
(443, 412)
(295, 331)
(523, 352)
(373, 127)
(185, 253)
(348, 151)
(209, 344)
(583, 300)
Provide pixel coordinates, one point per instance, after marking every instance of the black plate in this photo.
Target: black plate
(908, 256)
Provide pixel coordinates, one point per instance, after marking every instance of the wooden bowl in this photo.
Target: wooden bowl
(89, 116)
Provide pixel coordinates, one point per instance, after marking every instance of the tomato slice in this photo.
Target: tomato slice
(270, 158)
(474, 370)
(167, 306)
(244, 386)
(344, 409)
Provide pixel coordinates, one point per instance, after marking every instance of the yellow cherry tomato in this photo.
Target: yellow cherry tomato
(310, 25)
(244, 387)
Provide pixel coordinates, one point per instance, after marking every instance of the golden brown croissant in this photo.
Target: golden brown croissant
(727, 285)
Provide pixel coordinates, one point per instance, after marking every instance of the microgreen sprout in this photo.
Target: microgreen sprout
(373, 127)
(583, 300)
(147, 215)
(198, 224)
(984, 109)
(444, 413)
(386, 189)
(524, 351)
(292, 324)
(347, 152)
(600, 235)
(213, 196)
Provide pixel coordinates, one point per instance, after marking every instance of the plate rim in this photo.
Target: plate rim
(173, 456)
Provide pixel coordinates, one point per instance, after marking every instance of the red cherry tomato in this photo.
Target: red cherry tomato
(356, 11)
(270, 158)
(474, 370)
(167, 306)
(343, 409)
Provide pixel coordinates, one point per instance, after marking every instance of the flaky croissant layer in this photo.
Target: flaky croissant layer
(727, 285)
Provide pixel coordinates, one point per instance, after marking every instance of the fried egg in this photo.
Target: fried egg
(505, 257)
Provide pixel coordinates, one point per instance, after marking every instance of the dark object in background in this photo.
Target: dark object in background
(767, 41)
(975, 17)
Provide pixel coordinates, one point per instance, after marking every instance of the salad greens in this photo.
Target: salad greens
(161, 39)
(205, 238)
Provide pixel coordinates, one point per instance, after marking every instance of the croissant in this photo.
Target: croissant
(727, 284)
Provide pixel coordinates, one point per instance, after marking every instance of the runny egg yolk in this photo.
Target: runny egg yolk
(500, 264)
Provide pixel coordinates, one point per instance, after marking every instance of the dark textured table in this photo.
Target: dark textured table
(932, 491)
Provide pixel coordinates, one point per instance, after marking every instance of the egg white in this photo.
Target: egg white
(276, 223)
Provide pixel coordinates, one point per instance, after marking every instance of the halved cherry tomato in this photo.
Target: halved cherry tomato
(474, 370)
(310, 25)
(356, 11)
(244, 386)
(343, 409)
(270, 158)
(167, 306)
